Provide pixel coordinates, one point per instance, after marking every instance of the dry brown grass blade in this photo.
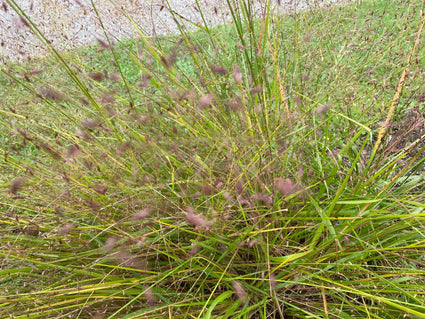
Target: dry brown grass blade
(325, 303)
(397, 94)
(279, 80)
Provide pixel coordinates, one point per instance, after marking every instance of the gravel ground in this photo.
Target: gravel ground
(72, 23)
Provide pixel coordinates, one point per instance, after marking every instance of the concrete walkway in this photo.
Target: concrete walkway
(72, 23)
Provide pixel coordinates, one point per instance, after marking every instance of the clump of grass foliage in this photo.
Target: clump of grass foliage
(268, 168)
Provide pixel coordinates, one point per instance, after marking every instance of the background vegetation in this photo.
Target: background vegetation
(268, 168)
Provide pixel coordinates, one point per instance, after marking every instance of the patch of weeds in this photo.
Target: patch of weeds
(230, 172)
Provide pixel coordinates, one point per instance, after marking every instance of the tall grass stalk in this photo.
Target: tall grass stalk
(235, 171)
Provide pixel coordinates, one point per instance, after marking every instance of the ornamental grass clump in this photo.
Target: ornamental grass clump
(258, 169)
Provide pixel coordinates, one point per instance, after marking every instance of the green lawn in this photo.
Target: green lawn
(263, 169)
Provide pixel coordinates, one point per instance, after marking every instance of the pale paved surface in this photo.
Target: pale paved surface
(71, 23)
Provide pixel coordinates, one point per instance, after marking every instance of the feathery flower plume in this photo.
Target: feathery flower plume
(16, 185)
(285, 186)
(237, 75)
(206, 100)
(141, 214)
(196, 219)
(240, 292)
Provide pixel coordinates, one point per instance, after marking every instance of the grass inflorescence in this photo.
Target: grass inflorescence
(268, 168)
